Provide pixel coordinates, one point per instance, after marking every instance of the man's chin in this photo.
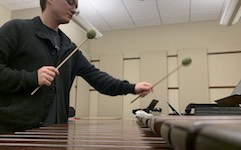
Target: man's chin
(65, 21)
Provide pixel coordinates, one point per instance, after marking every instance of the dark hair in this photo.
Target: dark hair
(42, 4)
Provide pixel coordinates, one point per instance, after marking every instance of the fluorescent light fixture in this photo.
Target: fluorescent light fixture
(231, 12)
(84, 24)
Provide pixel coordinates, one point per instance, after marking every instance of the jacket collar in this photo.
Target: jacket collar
(41, 33)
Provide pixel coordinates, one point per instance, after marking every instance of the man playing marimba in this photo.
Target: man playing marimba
(29, 52)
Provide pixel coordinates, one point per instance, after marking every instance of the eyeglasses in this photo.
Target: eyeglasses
(77, 12)
(72, 3)
(75, 4)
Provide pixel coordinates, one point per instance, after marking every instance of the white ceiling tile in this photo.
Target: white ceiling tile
(168, 7)
(93, 18)
(122, 25)
(30, 1)
(139, 11)
(103, 27)
(144, 22)
(84, 5)
(121, 14)
(138, 2)
(99, 4)
(172, 19)
(204, 16)
(88, 13)
(10, 1)
(114, 14)
(200, 5)
(33, 4)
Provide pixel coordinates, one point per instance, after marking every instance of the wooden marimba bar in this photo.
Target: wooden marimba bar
(91, 134)
(197, 132)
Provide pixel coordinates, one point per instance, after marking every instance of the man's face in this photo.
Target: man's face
(64, 10)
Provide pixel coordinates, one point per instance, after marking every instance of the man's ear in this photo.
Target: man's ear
(49, 2)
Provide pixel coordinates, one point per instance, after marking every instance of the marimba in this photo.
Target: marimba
(148, 132)
(197, 132)
(91, 134)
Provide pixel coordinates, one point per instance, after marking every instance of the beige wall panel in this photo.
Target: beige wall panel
(96, 64)
(26, 13)
(93, 110)
(173, 83)
(72, 96)
(153, 67)
(82, 95)
(172, 79)
(173, 99)
(5, 15)
(193, 79)
(132, 74)
(224, 69)
(111, 106)
(82, 98)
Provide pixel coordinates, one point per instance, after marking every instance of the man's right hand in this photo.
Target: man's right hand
(46, 75)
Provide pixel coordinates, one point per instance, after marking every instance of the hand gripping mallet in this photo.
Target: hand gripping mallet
(185, 62)
(89, 35)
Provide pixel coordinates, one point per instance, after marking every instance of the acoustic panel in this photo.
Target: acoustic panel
(82, 98)
(193, 79)
(72, 94)
(132, 73)
(224, 69)
(82, 95)
(111, 106)
(93, 110)
(153, 67)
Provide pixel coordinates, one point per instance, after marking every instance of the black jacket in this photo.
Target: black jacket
(24, 48)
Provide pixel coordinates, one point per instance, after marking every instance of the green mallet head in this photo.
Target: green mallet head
(91, 34)
(186, 61)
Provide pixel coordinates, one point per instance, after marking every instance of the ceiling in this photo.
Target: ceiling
(108, 15)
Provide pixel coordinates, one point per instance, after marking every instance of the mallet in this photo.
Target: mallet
(185, 62)
(89, 35)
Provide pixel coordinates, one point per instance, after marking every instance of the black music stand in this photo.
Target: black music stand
(150, 108)
(233, 100)
(226, 106)
(230, 101)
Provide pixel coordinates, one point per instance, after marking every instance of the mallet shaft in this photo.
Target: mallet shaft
(72, 53)
(61, 64)
(174, 70)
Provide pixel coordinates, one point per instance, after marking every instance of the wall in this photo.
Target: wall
(168, 37)
(223, 45)
(5, 15)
